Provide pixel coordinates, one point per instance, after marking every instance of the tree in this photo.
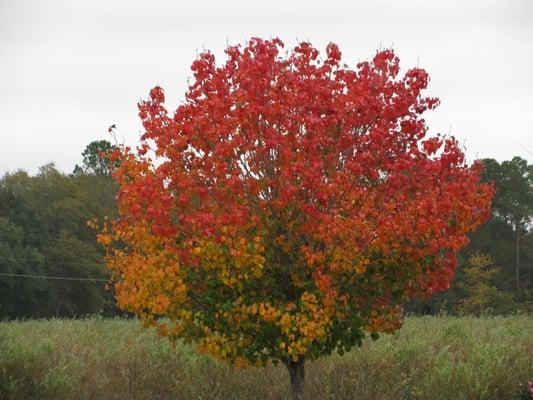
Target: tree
(15, 258)
(513, 202)
(291, 204)
(43, 233)
(482, 295)
(95, 159)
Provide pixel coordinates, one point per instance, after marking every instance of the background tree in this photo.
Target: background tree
(296, 205)
(18, 257)
(43, 232)
(481, 294)
(507, 236)
(95, 159)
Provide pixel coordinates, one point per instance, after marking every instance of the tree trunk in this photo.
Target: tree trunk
(517, 260)
(297, 376)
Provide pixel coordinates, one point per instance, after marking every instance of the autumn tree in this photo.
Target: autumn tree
(290, 205)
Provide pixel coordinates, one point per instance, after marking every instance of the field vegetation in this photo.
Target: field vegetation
(431, 357)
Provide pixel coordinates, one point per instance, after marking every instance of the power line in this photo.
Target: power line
(45, 237)
(62, 278)
(67, 263)
(63, 263)
(525, 148)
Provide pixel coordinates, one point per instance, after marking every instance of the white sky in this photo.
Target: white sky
(71, 68)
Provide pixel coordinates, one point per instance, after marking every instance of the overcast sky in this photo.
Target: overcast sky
(69, 69)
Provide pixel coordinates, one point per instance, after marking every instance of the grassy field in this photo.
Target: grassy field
(429, 358)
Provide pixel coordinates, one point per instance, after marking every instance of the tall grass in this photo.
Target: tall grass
(429, 358)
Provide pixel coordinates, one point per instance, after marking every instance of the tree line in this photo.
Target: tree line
(51, 265)
(44, 233)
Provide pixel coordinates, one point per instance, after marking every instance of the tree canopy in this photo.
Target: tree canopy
(290, 205)
(512, 210)
(43, 234)
(96, 160)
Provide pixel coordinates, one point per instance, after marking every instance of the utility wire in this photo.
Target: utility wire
(50, 237)
(67, 263)
(525, 148)
(62, 278)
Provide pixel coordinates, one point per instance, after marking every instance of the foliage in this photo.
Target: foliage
(513, 208)
(481, 294)
(290, 205)
(444, 358)
(43, 233)
(96, 160)
(513, 201)
(497, 238)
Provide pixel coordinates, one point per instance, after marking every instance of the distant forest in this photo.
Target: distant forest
(51, 265)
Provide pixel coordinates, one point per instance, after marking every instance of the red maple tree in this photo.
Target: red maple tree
(290, 205)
